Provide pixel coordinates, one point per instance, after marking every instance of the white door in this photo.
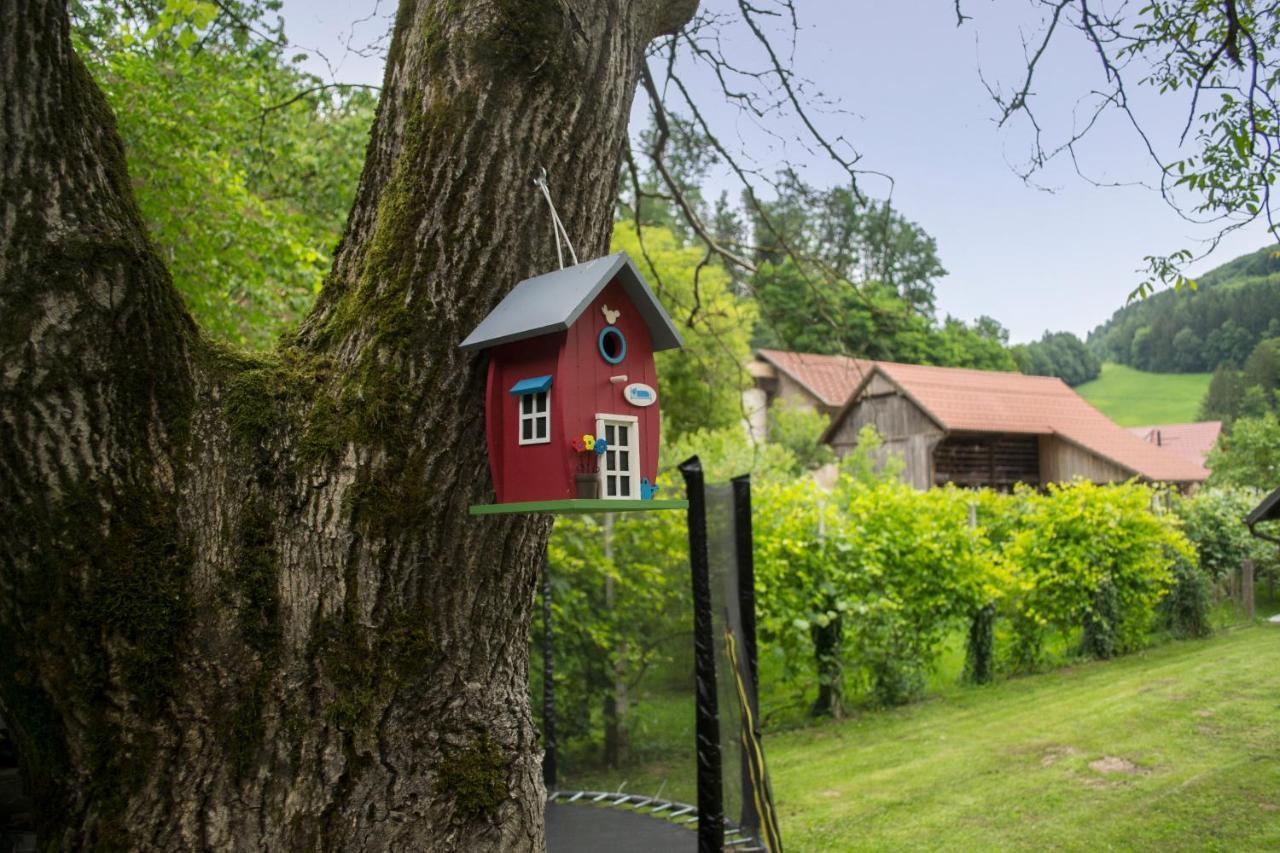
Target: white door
(620, 467)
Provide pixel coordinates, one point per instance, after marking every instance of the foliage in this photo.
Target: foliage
(927, 570)
(615, 595)
(1059, 354)
(620, 587)
(806, 313)
(1073, 540)
(1248, 455)
(806, 581)
(858, 588)
(1225, 397)
(1248, 392)
(980, 345)
(1216, 324)
(702, 383)
(866, 465)
(243, 175)
(1187, 608)
(849, 239)
(841, 275)
(893, 568)
(798, 428)
(726, 453)
(1213, 520)
(1228, 58)
(1101, 638)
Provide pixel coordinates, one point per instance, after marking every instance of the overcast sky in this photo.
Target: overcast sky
(912, 103)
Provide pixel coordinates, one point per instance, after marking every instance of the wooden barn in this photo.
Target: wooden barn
(984, 428)
(821, 383)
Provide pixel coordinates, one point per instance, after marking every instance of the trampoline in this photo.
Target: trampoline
(591, 821)
(728, 757)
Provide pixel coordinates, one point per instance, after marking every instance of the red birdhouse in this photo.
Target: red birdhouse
(571, 409)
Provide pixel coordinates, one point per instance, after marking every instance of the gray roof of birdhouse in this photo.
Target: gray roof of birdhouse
(553, 302)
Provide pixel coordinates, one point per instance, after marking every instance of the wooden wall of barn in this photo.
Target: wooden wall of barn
(1061, 461)
(908, 432)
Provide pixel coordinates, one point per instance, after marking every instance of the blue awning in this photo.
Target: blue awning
(531, 386)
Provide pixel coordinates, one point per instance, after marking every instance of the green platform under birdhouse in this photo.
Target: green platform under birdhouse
(578, 506)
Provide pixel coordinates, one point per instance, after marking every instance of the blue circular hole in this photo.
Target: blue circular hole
(612, 344)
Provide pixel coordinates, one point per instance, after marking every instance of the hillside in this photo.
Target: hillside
(1137, 398)
(1219, 323)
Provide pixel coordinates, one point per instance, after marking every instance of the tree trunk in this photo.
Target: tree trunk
(242, 605)
(827, 640)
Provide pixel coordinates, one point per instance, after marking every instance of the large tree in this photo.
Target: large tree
(242, 604)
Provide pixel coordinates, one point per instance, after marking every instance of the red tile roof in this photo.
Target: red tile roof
(830, 378)
(961, 400)
(1191, 440)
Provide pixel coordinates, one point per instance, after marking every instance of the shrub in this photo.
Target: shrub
(799, 430)
(1101, 638)
(1075, 539)
(926, 570)
(1214, 522)
(1186, 608)
(805, 583)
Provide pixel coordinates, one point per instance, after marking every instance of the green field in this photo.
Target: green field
(1174, 748)
(1136, 398)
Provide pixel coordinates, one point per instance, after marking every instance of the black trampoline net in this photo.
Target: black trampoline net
(726, 631)
(661, 718)
(748, 802)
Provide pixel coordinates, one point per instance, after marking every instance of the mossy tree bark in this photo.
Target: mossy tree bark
(242, 605)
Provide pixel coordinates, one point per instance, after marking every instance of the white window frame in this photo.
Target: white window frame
(533, 418)
(633, 448)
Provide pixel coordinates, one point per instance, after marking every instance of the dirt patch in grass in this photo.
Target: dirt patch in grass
(1114, 764)
(1054, 754)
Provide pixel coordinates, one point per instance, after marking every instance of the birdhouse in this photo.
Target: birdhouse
(571, 406)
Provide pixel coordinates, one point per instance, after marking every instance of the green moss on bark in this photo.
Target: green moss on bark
(266, 395)
(137, 597)
(255, 580)
(252, 585)
(107, 592)
(474, 778)
(366, 665)
(529, 40)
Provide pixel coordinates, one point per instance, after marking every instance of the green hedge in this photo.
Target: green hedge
(861, 589)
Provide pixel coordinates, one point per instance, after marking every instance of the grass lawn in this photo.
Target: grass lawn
(1174, 748)
(1136, 398)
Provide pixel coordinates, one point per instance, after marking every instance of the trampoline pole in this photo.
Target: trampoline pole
(746, 568)
(710, 791)
(743, 543)
(548, 682)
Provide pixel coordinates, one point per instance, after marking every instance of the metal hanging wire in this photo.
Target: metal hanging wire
(557, 227)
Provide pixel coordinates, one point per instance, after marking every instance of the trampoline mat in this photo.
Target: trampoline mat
(578, 828)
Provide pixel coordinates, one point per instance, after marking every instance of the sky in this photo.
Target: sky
(907, 88)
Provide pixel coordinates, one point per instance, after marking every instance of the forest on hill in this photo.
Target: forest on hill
(1218, 323)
